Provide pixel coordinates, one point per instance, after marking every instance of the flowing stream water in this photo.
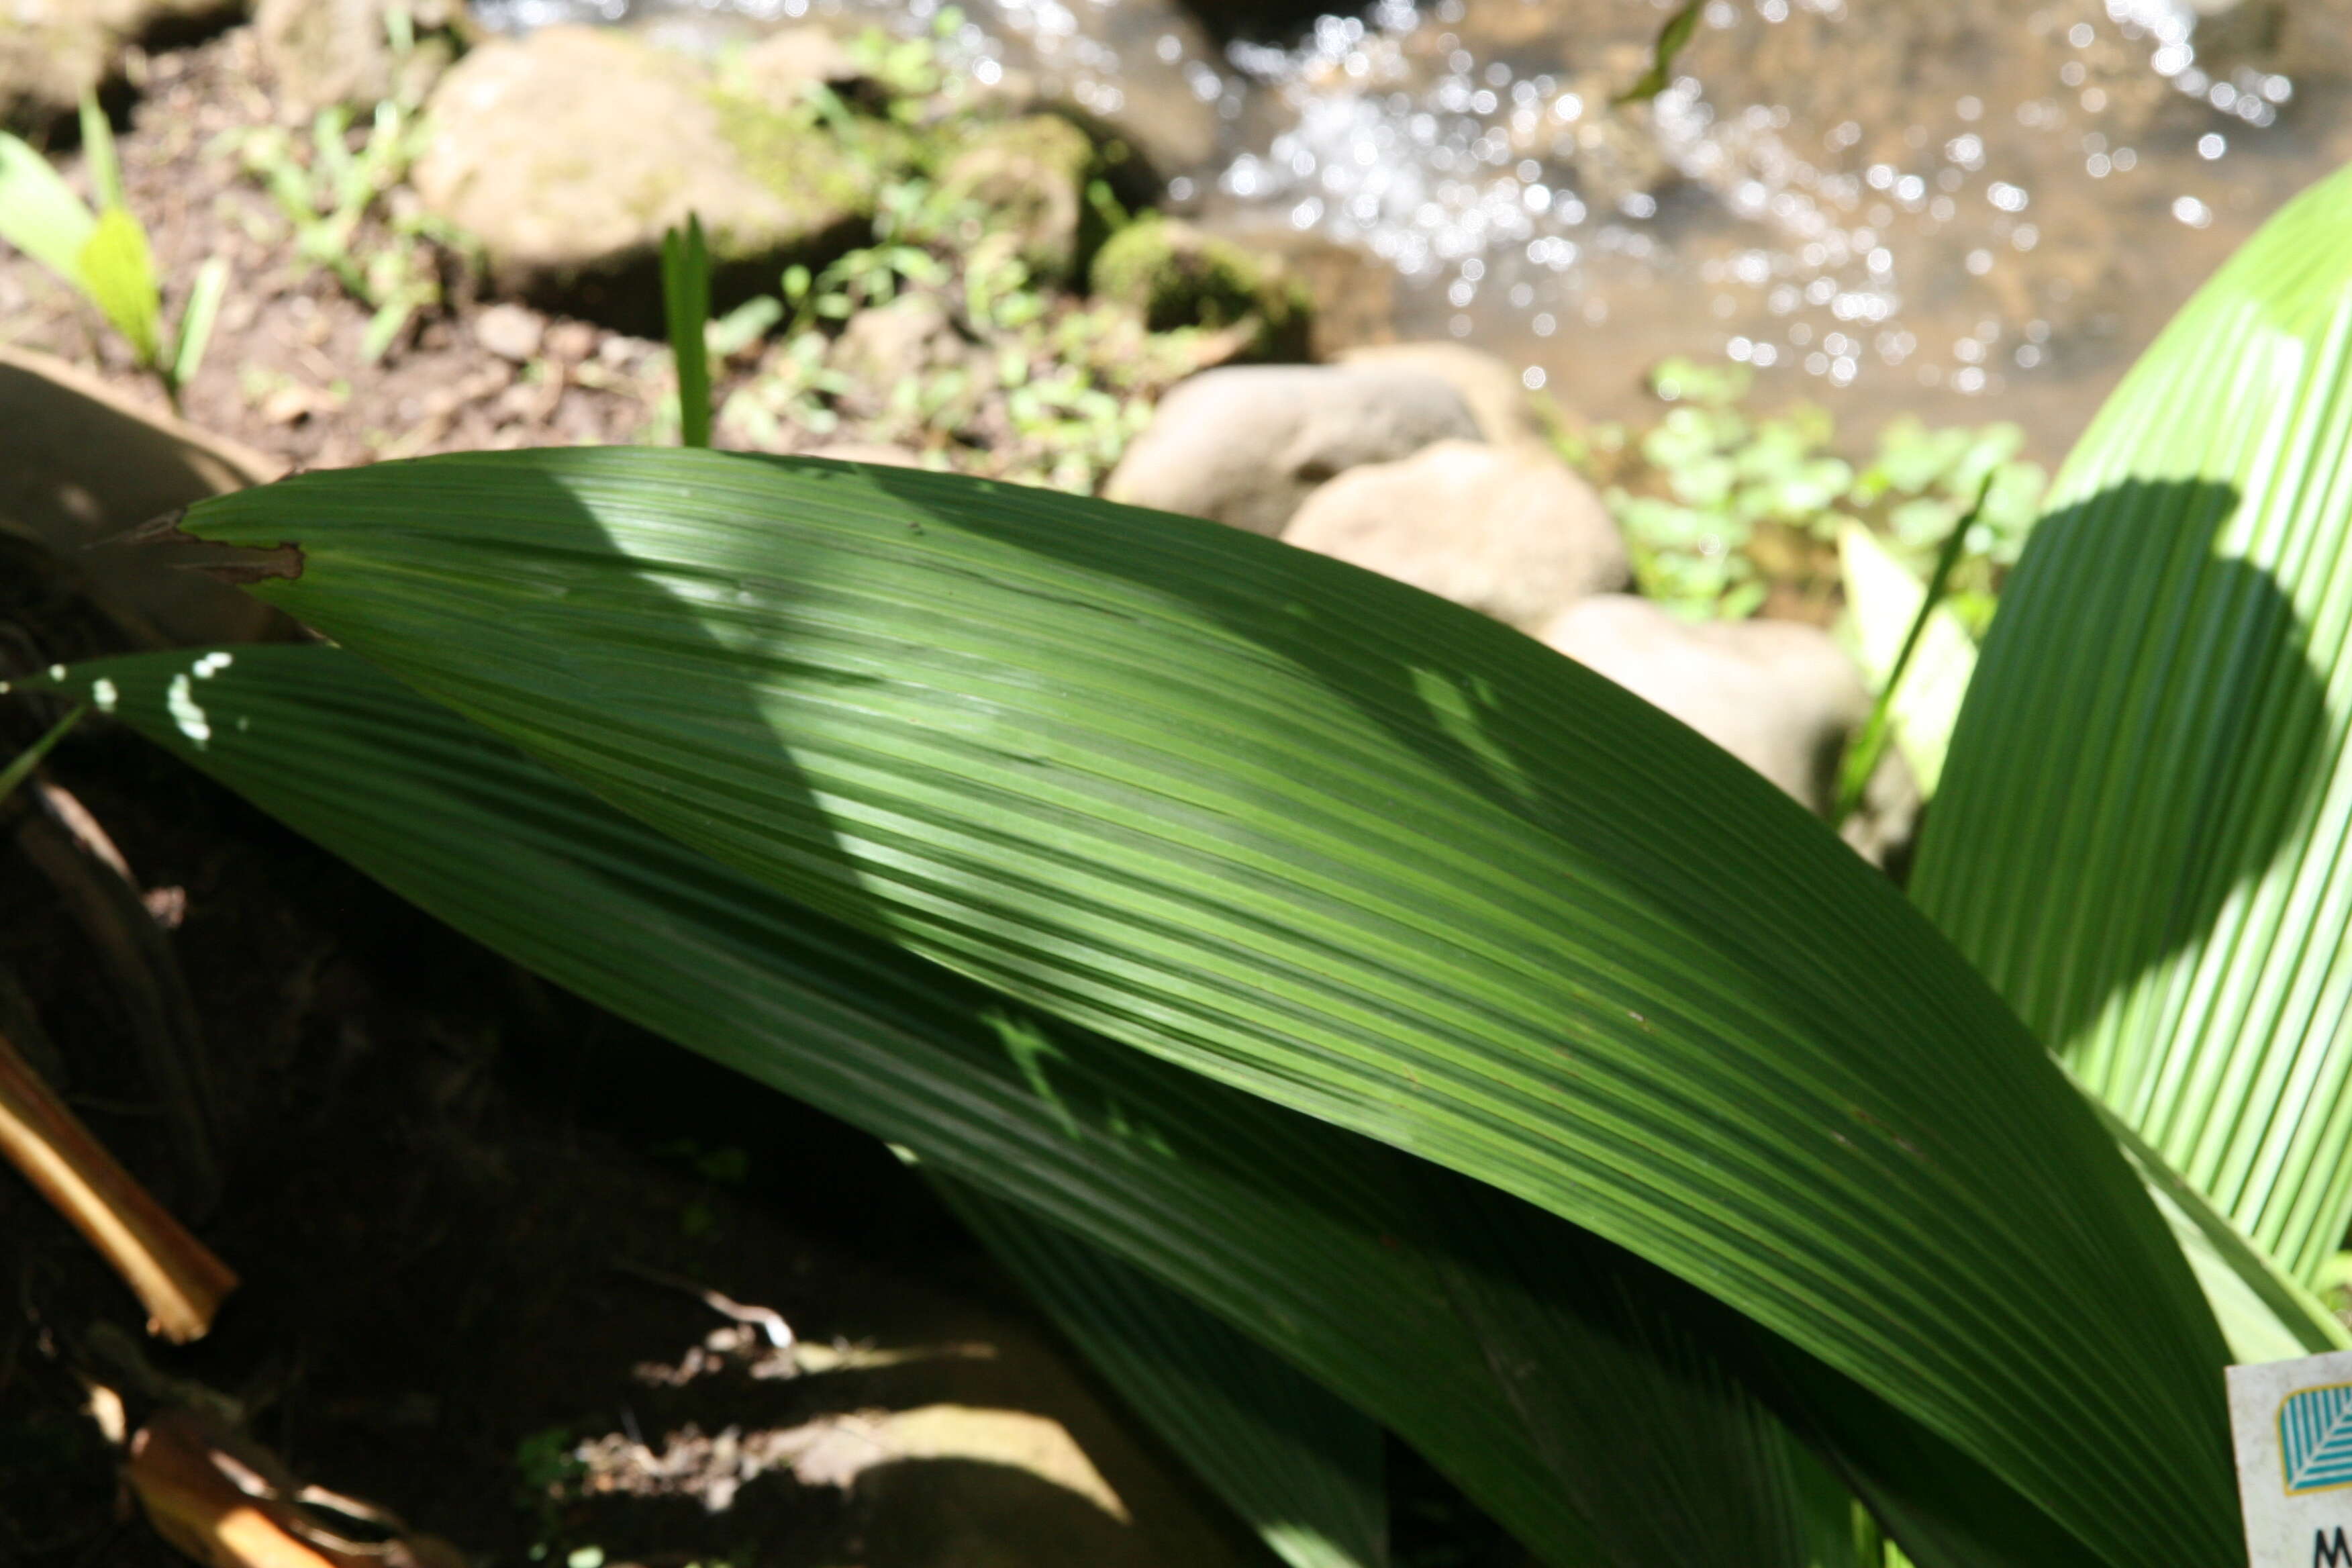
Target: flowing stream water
(1965, 209)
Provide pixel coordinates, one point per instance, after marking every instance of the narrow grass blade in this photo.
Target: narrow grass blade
(21, 766)
(1863, 756)
(99, 159)
(1673, 36)
(686, 291)
(197, 318)
(1885, 600)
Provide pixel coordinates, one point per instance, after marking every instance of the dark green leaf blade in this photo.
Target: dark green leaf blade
(1285, 1226)
(1328, 839)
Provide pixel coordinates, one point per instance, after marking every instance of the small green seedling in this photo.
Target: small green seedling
(327, 191)
(104, 254)
(1862, 758)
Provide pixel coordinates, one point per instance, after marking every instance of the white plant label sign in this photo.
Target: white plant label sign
(2293, 1424)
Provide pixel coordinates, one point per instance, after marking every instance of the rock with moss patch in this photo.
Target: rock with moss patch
(1177, 274)
(53, 51)
(567, 154)
(1026, 180)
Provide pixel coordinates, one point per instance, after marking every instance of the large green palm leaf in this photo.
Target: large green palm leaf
(1323, 837)
(2141, 836)
(1313, 1241)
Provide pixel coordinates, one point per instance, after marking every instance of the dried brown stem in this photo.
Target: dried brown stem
(174, 1275)
(225, 1501)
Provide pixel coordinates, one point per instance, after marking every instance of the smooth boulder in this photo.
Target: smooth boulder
(792, 61)
(1495, 392)
(1507, 531)
(1245, 445)
(1782, 697)
(568, 153)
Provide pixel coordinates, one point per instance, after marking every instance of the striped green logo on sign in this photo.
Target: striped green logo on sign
(2315, 1437)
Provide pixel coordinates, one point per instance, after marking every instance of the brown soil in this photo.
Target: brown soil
(284, 373)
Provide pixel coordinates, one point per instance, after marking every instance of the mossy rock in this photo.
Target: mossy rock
(1176, 275)
(568, 191)
(809, 167)
(1026, 179)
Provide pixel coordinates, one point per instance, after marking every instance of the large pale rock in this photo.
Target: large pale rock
(790, 61)
(1491, 387)
(874, 454)
(53, 51)
(1507, 531)
(1780, 696)
(80, 463)
(1244, 444)
(567, 154)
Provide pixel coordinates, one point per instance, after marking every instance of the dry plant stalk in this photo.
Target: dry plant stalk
(223, 1500)
(192, 1505)
(174, 1275)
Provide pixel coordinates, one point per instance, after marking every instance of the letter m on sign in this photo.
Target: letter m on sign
(2327, 1554)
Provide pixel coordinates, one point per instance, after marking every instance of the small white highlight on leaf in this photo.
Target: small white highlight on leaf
(103, 693)
(180, 701)
(212, 663)
(57, 672)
